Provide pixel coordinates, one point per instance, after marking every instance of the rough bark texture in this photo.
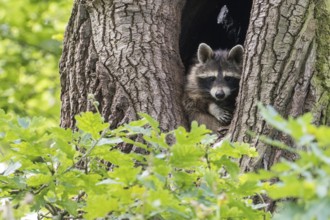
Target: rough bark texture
(321, 81)
(279, 67)
(126, 53)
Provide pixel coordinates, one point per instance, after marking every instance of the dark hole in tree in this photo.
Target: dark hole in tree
(219, 23)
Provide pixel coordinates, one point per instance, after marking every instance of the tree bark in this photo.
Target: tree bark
(126, 54)
(279, 70)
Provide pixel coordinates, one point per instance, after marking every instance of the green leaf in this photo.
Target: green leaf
(292, 187)
(321, 134)
(109, 182)
(125, 174)
(135, 143)
(234, 150)
(115, 156)
(230, 166)
(159, 164)
(12, 167)
(38, 179)
(71, 206)
(211, 177)
(99, 206)
(24, 122)
(273, 118)
(109, 141)
(184, 180)
(91, 123)
(137, 130)
(186, 156)
(152, 122)
(62, 134)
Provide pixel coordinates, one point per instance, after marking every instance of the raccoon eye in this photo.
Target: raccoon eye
(229, 79)
(211, 78)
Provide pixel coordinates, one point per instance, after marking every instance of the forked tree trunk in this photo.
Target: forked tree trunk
(279, 70)
(126, 53)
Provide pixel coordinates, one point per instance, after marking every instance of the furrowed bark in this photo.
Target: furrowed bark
(126, 53)
(279, 68)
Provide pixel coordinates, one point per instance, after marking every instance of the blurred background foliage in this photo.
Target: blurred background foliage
(31, 34)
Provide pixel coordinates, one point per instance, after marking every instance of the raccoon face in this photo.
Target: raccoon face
(218, 72)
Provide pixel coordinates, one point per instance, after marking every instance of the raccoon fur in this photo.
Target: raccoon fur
(212, 85)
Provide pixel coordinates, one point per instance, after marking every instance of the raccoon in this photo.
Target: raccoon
(212, 86)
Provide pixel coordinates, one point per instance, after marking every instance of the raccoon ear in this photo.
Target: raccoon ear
(236, 54)
(204, 52)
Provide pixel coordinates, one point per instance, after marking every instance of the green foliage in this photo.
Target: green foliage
(307, 180)
(187, 180)
(191, 179)
(30, 46)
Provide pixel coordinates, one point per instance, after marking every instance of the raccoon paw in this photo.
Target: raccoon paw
(222, 115)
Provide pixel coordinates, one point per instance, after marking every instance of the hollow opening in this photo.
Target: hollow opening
(218, 23)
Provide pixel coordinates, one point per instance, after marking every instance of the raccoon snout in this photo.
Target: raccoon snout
(220, 94)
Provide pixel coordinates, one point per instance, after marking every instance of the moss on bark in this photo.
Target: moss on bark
(321, 79)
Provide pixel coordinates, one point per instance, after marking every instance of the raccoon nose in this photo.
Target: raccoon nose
(220, 94)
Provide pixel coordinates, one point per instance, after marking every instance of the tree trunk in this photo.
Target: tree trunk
(126, 54)
(282, 44)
